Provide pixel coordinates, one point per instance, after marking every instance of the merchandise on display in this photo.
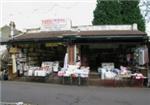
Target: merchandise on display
(75, 71)
(45, 69)
(109, 72)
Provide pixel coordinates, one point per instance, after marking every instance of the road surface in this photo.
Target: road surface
(52, 94)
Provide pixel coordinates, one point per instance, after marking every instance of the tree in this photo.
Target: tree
(131, 13)
(107, 12)
(118, 12)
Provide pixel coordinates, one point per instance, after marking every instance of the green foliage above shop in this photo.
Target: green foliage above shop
(131, 14)
(118, 12)
(107, 12)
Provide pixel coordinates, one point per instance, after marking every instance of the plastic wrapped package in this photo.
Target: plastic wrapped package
(77, 72)
(47, 69)
(116, 71)
(99, 70)
(40, 73)
(138, 75)
(109, 75)
(72, 67)
(123, 70)
(108, 66)
(78, 64)
(60, 73)
(31, 72)
(35, 73)
(55, 66)
(68, 73)
(103, 71)
(85, 73)
(47, 64)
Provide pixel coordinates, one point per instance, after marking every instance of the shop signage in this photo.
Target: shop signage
(52, 44)
(13, 50)
(56, 24)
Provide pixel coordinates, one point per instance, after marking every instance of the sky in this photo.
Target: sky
(29, 13)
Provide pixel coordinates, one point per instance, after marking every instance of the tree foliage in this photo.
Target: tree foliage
(107, 13)
(118, 12)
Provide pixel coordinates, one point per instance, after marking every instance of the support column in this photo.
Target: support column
(14, 63)
(13, 51)
(71, 54)
(75, 53)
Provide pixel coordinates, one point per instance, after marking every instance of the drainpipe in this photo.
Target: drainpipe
(12, 29)
(13, 56)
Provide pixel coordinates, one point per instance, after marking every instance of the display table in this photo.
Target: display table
(72, 76)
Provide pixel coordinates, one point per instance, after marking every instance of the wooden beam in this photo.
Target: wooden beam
(71, 53)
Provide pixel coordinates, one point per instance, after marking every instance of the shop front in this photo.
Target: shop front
(70, 52)
(115, 57)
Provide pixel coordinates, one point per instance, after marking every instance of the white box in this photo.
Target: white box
(41, 73)
(30, 72)
(108, 66)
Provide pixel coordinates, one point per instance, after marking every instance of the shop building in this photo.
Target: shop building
(92, 46)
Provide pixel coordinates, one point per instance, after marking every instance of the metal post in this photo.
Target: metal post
(148, 76)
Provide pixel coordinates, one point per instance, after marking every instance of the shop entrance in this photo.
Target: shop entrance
(94, 55)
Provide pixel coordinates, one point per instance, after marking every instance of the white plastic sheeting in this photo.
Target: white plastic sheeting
(66, 61)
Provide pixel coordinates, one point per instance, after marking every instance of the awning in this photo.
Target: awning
(82, 36)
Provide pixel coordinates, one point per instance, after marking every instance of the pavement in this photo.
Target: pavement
(52, 94)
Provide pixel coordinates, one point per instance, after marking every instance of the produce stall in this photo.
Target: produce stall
(123, 45)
